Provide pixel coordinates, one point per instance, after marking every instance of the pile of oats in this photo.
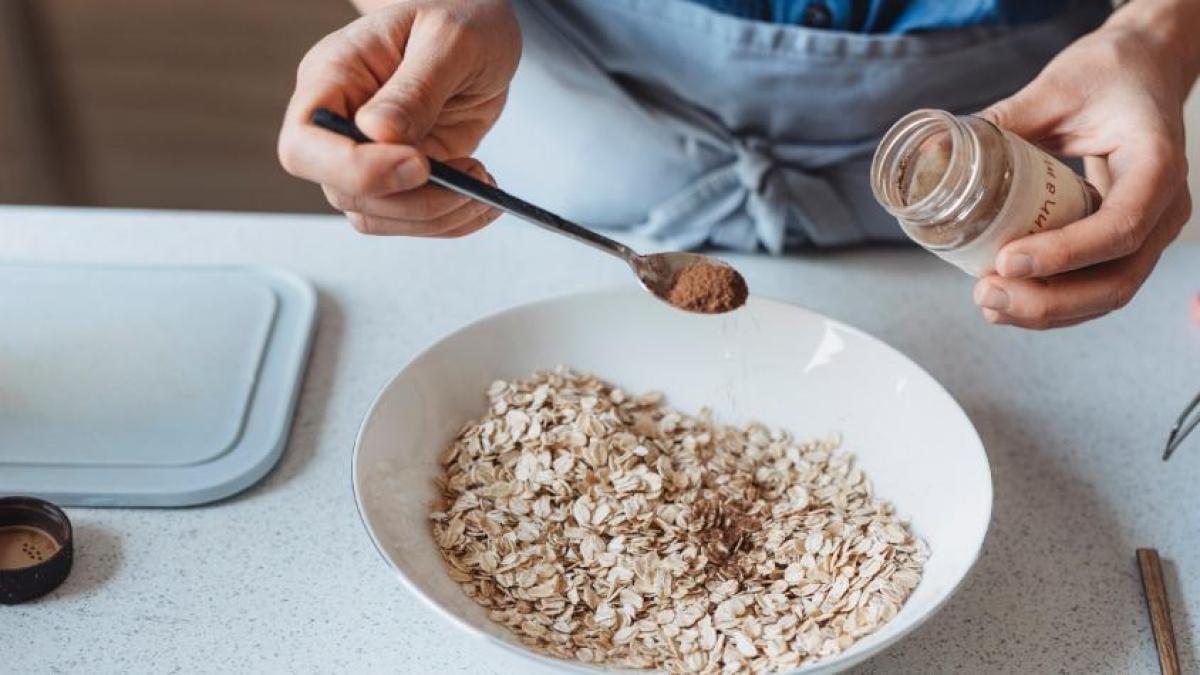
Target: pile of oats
(608, 528)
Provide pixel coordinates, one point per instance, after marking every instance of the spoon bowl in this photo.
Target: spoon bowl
(658, 272)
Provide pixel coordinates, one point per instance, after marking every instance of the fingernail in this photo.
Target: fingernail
(993, 298)
(1017, 265)
(411, 173)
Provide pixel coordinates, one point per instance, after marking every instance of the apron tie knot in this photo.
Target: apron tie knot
(753, 164)
(762, 195)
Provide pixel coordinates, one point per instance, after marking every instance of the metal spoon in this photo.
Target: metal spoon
(656, 273)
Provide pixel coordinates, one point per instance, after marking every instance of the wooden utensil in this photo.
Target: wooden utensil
(1160, 610)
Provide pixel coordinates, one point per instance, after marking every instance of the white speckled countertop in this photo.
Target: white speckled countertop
(283, 578)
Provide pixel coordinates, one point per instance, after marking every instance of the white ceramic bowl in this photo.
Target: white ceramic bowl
(780, 364)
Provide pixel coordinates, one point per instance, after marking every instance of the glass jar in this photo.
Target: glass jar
(962, 187)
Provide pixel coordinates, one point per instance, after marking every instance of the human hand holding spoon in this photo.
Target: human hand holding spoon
(688, 281)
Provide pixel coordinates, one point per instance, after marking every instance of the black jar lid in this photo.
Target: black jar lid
(36, 548)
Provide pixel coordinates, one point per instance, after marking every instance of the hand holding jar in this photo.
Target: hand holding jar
(1115, 98)
(977, 192)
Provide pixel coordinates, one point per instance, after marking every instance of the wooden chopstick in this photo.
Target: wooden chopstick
(1160, 610)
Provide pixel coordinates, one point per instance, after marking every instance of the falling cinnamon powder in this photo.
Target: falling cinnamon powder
(708, 288)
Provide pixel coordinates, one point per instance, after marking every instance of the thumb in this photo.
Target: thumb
(408, 104)
(1030, 113)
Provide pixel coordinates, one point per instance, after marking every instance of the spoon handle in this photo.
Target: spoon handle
(450, 178)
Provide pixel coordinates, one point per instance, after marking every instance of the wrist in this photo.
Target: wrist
(368, 6)
(1163, 25)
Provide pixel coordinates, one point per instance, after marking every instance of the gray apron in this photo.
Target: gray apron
(696, 128)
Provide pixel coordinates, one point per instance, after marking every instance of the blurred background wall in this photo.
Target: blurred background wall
(153, 103)
(172, 103)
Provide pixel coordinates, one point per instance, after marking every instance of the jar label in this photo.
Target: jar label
(1062, 198)
(1045, 195)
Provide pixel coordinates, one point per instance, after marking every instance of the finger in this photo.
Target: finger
(465, 215)
(312, 153)
(422, 204)
(1120, 227)
(481, 221)
(425, 203)
(365, 170)
(999, 319)
(1032, 113)
(315, 154)
(475, 225)
(1097, 173)
(430, 72)
(1041, 303)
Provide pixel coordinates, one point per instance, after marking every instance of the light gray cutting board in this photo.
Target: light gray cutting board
(147, 386)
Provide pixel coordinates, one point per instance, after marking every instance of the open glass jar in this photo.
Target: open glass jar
(962, 187)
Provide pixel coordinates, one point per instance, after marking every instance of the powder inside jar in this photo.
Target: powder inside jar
(921, 174)
(925, 170)
(708, 288)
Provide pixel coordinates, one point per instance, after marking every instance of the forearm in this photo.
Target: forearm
(364, 6)
(1169, 27)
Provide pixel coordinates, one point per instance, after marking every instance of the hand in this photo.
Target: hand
(1114, 97)
(422, 77)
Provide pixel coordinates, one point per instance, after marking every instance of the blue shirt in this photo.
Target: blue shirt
(891, 16)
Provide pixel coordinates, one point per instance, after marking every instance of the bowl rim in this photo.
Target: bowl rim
(836, 663)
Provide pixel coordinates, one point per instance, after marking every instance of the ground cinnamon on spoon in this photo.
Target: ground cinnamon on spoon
(708, 288)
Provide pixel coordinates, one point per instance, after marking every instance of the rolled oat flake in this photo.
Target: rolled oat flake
(963, 188)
